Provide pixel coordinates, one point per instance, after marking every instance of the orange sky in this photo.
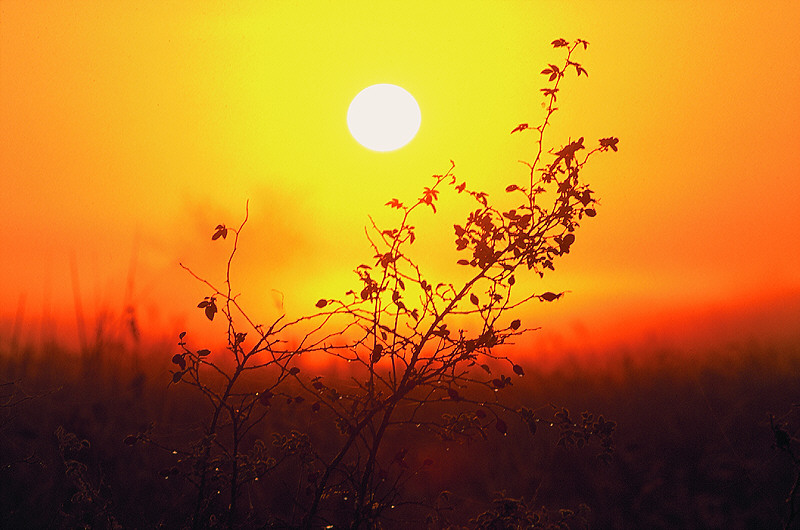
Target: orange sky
(129, 130)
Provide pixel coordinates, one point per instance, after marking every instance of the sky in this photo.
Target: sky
(128, 131)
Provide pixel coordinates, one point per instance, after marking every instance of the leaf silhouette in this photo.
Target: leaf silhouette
(565, 243)
(179, 360)
(567, 153)
(549, 297)
(429, 196)
(220, 231)
(211, 310)
(609, 143)
(549, 92)
(376, 353)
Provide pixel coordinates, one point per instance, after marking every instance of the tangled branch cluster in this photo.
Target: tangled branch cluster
(413, 365)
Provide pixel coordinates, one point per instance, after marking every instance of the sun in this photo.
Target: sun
(383, 117)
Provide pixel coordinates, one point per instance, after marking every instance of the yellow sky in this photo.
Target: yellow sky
(129, 130)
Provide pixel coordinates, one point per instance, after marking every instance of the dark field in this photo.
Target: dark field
(694, 444)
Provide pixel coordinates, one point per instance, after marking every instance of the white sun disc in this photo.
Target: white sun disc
(383, 117)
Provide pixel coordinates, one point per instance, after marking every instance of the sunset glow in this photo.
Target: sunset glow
(128, 132)
(419, 264)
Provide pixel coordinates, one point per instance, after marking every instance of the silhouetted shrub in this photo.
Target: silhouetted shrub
(423, 356)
